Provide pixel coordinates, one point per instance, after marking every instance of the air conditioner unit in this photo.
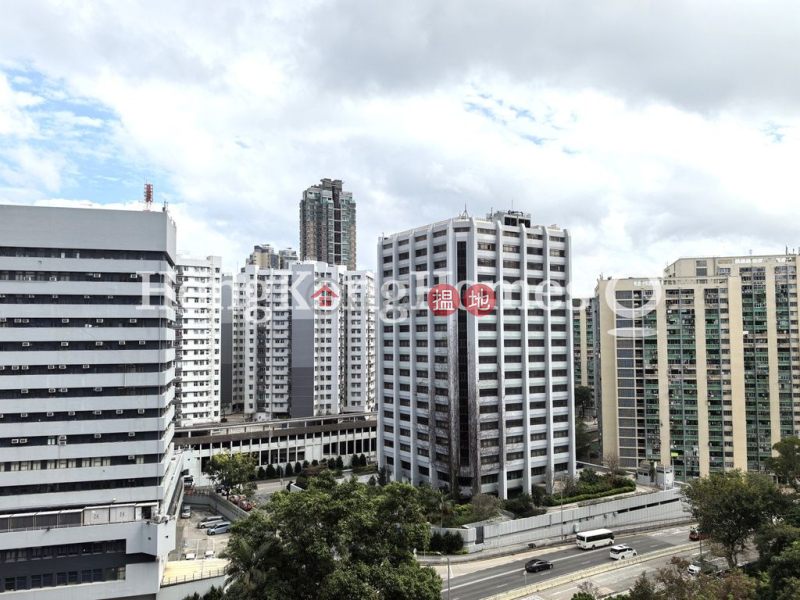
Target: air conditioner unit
(2, 295)
(23, 391)
(64, 344)
(17, 320)
(27, 279)
(26, 344)
(134, 276)
(140, 411)
(23, 415)
(131, 457)
(86, 297)
(87, 326)
(98, 343)
(2, 319)
(15, 367)
(71, 413)
(15, 441)
(25, 367)
(62, 437)
(85, 366)
(54, 279)
(119, 411)
(26, 320)
(62, 442)
(142, 342)
(23, 440)
(110, 297)
(2, 368)
(62, 367)
(65, 320)
(49, 414)
(97, 275)
(122, 343)
(51, 367)
(31, 295)
(98, 389)
(54, 296)
(97, 412)
(52, 390)
(132, 320)
(63, 390)
(99, 320)
(97, 436)
(131, 434)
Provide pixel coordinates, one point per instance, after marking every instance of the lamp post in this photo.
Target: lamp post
(448, 574)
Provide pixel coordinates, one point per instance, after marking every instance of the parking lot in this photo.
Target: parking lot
(191, 539)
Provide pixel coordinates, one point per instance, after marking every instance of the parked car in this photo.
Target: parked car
(246, 505)
(695, 535)
(235, 498)
(189, 556)
(536, 565)
(209, 521)
(221, 527)
(186, 512)
(209, 554)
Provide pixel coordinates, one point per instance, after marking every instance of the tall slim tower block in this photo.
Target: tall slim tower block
(476, 403)
(328, 224)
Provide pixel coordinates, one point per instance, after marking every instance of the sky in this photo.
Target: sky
(650, 130)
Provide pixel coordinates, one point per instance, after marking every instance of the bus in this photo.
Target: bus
(594, 539)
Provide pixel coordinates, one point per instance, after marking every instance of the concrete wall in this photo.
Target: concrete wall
(625, 512)
(216, 502)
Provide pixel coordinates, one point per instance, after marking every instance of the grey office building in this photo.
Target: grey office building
(88, 480)
(328, 224)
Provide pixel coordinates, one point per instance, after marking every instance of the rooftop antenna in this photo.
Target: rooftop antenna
(148, 197)
(465, 214)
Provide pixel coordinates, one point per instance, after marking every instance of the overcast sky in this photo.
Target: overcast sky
(651, 130)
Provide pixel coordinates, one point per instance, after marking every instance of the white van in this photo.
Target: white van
(209, 521)
(186, 513)
(622, 552)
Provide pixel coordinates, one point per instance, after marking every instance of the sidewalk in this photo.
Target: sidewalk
(540, 545)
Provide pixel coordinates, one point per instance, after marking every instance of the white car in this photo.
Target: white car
(622, 552)
(209, 554)
(189, 556)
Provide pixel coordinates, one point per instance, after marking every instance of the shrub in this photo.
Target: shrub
(522, 506)
(339, 463)
(537, 495)
(270, 472)
(306, 464)
(298, 467)
(354, 462)
(289, 470)
(262, 474)
(362, 460)
(314, 463)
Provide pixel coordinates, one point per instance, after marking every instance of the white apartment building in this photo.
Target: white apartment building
(291, 355)
(198, 340)
(477, 403)
(88, 480)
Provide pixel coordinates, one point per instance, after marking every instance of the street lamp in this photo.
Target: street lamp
(448, 574)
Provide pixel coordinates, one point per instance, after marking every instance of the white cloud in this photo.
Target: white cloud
(647, 135)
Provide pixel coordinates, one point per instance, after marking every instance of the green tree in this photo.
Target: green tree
(297, 468)
(289, 470)
(354, 461)
(772, 539)
(362, 460)
(643, 589)
(270, 472)
(485, 507)
(332, 465)
(306, 464)
(314, 463)
(232, 471)
(787, 464)
(732, 506)
(784, 567)
(538, 494)
(583, 399)
(339, 463)
(384, 477)
(333, 542)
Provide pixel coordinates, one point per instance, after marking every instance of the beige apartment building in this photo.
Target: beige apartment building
(701, 367)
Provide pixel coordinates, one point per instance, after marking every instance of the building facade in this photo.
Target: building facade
(328, 224)
(700, 367)
(265, 256)
(478, 404)
(198, 335)
(583, 333)
(303, 341)
(88, 477)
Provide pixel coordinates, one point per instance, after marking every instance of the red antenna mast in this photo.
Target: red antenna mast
(148, 196)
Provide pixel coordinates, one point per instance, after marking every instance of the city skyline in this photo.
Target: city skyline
(637, 156)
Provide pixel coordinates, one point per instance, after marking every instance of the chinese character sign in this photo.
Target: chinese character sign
(479, 300)
(443, 300)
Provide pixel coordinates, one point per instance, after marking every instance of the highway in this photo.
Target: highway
(496, 579)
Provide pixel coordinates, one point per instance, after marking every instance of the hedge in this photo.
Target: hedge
(555, 501)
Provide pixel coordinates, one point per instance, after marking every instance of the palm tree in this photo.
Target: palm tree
(246, 569)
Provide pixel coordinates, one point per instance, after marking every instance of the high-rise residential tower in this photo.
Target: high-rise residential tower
(700, 367)
(89, 484)
(265, 256)
(304, 341)
(583, 326)
(476, 403)
(328, 224)
(198, 340)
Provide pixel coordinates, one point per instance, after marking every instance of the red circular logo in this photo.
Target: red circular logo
(443, 300)
(479, 300)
